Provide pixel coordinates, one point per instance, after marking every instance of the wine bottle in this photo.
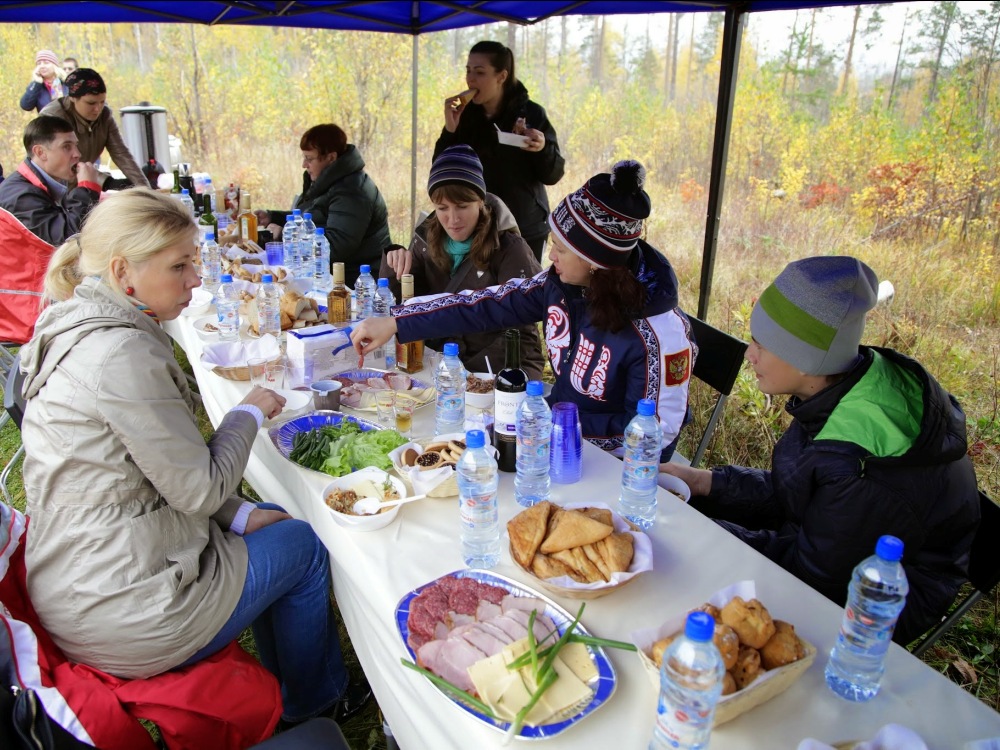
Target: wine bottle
(409, 357)
(207, 221)
(510, 389)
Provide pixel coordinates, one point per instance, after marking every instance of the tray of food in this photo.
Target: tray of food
(464, 628)
(763, 655)
(332, 443)
(578, 551)
(361, 385)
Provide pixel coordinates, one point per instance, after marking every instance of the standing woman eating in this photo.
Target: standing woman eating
(613, 328)
(517, 176)
(141, 558)
(469, 242)
(84, 108)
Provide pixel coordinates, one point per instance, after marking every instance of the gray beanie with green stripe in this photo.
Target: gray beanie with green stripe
(813, 315)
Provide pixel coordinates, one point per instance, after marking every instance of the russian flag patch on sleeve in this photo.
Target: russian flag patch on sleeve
(677, 367)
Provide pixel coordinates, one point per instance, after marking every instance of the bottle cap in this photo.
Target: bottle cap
(366, 268)
(184, 191)
(475, 438)
(296, 212)
(307, 215)
(699, 626)
(320, 231)
(209, 236)
(267, 278)
(289, 218)
(646, 407)
(889, 548)
(383, 283)
(227, 278)
(450, 349)
(535, 388)
(208, 180)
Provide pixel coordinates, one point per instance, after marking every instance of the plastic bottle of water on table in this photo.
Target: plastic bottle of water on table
(364, 290)
(534, 439)
(450, 379)
(478, 479)
(302, 242)
(211, 263)
(227, 305)
(690, 685)
(382, 308)
(290, 245)
(269, 306)
(875, 598)
(185, 198)
(321, 260)
(643, 436)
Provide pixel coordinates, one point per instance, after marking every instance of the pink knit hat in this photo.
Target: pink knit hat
(46, 55)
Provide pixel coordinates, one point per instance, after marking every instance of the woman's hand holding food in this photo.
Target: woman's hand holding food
(452, 113)
(269, 402)
(536, 140)
(259, 518)
(400, 261)
(699, 480)
(371, 333)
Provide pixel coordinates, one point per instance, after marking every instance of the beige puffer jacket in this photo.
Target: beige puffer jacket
(129, 565)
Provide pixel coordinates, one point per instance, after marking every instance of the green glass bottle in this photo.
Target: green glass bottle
(177, 182)
(207, 218)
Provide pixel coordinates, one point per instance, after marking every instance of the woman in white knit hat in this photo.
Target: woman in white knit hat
(46, 82)
(876, 446)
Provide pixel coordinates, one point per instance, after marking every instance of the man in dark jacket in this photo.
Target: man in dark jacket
(342, 198)
(37, 194)
(876, 447)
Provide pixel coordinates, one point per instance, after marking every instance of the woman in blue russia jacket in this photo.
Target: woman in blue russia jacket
(613, 330)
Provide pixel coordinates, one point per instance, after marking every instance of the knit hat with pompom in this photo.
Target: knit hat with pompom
(602, 221)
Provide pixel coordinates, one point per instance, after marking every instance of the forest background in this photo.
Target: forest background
(896, 167)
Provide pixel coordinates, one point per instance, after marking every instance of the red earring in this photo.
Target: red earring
(129, 291)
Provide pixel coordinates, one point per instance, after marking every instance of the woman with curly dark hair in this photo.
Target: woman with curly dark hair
(469, 242)
(613, 328)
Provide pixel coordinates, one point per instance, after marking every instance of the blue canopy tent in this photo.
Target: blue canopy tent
(420, 16)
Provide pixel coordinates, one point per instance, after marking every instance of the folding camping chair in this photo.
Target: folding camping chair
(720, 357)
(13, 404)
(984, 570)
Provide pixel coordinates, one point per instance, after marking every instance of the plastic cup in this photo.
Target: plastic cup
(403, 411)
(326, 394)
(565, 457)
(276, 375)
(275, 253)
(258, 371)
(384, 403)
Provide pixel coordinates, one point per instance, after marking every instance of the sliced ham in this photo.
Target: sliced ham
(377, 384)
(482, 639)
(487, 611)
(511, 627)
(399, 381)
(451, 660)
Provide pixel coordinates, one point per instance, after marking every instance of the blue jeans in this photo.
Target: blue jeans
(286, 602)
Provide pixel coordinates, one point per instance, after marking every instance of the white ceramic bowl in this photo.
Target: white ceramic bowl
(480, 400)
(205, 333)
(364, 523)
(201, 300)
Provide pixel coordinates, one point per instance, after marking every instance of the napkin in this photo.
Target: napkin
(889, 737)
(236, 353)
(426, 481)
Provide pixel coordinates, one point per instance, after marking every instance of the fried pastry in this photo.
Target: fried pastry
(728, 684)
(751, 621)
(710, 609)
(544, 566)
(782, 648)
(598, 514)
(568, 529)
(747, 667)
(526, 530)
(659, 647)
(728, 643)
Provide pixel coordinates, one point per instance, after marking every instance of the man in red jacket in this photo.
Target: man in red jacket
(37, 192)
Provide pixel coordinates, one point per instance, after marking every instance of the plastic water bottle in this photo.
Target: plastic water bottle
(211, 263)
(302, 242)
(643, 436)
(534, 438)
(875, 598)
(185, 198)
(364, 290)
(450, 381)
(269, 306)
(308, 233)
(321, 261)
(209, 190)
(690, 686)
(478, 479)
(381, 308)
(227, 305)
(290, 245)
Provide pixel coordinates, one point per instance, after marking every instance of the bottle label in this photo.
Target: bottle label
(505, 412)
(639, 473)
(479, 510)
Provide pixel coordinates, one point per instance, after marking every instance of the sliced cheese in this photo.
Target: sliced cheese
(567, 691)
(577, 657)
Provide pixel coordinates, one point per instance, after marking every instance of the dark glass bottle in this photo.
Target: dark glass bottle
(207, 218)
(510, 390)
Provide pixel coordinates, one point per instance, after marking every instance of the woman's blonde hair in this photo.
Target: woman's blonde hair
(482, 248)
(134, 225)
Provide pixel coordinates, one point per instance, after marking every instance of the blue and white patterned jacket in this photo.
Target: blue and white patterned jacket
(603, 373)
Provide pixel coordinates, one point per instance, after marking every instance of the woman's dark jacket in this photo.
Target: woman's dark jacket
(516, 176)
(347, 202)
(511, 260)
(883, 451)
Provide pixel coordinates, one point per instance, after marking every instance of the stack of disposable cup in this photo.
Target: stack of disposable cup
(565, 457)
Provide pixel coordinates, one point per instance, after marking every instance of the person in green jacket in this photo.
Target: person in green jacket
(341, 197)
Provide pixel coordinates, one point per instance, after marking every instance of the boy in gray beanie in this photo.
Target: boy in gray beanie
(876, 446)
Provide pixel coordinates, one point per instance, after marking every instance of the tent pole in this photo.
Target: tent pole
(413, 135)
(732, 35)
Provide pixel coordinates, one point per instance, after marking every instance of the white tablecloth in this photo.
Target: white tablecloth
(693, 558)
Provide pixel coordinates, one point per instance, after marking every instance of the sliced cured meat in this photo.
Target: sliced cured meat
(487, 610)
(448, 584)
(485, 641)
(451, 660)
(463, 601)
(377, 384)
(543, 627)
(457, 619)
(427, 654)
(514, 629)
(493, 594)
(524, 603)
(351, 396)
(399, 381)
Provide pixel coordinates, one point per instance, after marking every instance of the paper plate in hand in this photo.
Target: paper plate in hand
(602, 686)
(359, 391)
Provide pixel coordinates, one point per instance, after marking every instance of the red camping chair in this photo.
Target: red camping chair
(23, 261)
(227, 702)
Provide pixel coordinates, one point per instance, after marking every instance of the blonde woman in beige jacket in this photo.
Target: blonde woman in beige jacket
(140, 557)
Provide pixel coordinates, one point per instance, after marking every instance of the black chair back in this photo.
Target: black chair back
(13, 401)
